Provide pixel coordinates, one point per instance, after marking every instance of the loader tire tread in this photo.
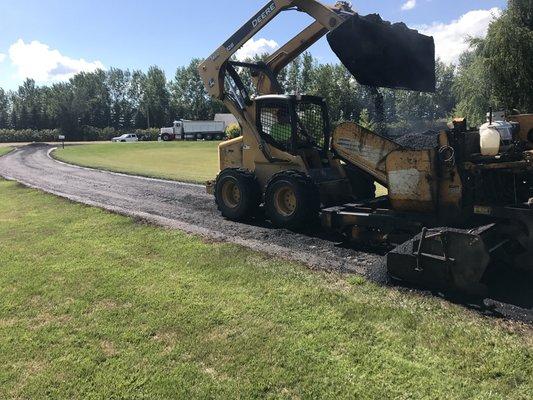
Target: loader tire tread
(309, 200)
(250, 190)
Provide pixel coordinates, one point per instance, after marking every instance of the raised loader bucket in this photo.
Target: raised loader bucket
(378, 53)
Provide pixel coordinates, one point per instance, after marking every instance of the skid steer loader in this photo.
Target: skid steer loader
(289, 159)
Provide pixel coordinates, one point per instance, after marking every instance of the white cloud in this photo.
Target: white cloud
(254, 47)
(409, 5)
(37, 61)
(2, 57)
(451, 39)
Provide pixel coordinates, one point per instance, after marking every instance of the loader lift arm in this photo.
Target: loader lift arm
(219, 72)
(213, 69)
(286, 54)
(377, 53)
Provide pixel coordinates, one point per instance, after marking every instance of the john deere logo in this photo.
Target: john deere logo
(266, 12)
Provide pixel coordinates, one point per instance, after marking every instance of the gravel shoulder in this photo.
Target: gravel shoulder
(187, 207)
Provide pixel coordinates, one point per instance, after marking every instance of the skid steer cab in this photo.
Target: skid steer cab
(298, 125)
(289, 168)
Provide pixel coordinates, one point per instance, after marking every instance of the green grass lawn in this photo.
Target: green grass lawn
(195, 162)
(183, 161)
(96, 306)
(5, 150)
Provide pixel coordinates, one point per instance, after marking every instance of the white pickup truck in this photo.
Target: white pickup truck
(194, 130)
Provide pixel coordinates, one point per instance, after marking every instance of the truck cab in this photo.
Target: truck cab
(173, 133)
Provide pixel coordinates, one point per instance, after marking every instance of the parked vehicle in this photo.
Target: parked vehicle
(194, 130)
(126, 138)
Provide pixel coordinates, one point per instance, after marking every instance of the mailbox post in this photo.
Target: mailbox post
(62, 138)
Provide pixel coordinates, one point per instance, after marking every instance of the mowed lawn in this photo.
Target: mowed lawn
(195, 162)
(98, 306)
(5, 150)
(183, 161)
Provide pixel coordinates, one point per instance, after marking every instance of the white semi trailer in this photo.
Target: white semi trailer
(194, 130)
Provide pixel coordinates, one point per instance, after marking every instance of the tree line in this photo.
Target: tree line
(119, 99)
(123, 99)
(496, 71)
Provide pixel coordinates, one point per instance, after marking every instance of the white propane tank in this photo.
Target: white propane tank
(495, 137)
(489, 140)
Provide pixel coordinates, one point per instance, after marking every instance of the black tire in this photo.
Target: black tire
(199, 136)
(292, 200)
(165, 137)
(218, 137)
(209, 137)
(237, 194)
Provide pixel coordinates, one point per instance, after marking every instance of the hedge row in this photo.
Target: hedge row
(91, 134)
(87, 134)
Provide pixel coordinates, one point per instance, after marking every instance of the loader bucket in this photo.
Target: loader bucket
(378, 53)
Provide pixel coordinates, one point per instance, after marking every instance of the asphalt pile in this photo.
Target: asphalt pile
(399, 57)
(418, 141)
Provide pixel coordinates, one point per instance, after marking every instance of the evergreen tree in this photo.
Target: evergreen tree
(119, 82)
(92, 93)
(4, 110)
(308, 67)
(157, 97)
(190, 100)
(293, 80)
(137, 96)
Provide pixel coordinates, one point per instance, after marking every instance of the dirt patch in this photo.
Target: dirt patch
(45, 319)
(167, 339)
(108, 348)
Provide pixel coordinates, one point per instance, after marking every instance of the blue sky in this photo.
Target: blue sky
(50, 39)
